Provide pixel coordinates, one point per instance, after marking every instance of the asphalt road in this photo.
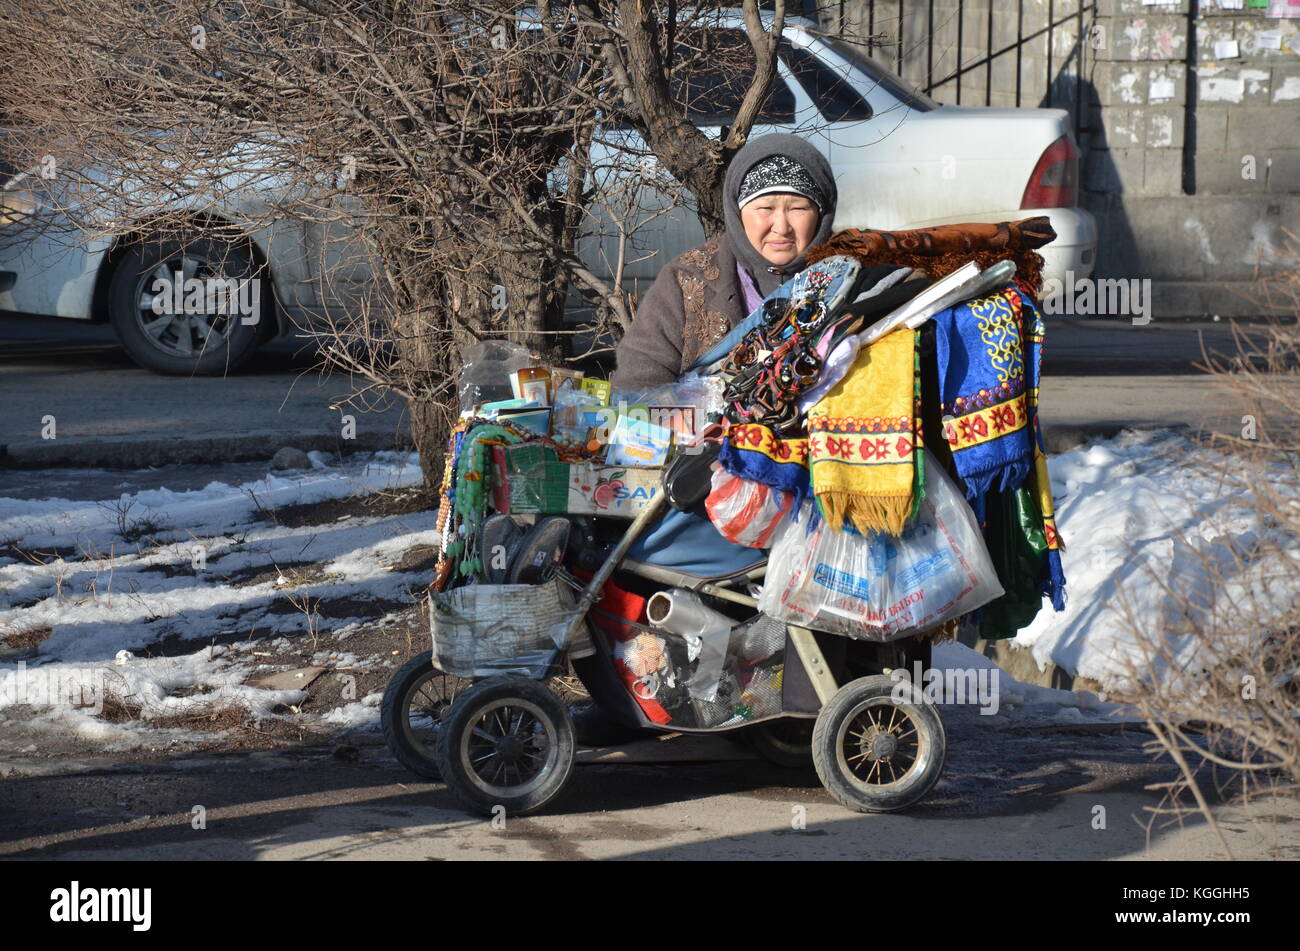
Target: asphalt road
(1004, 795)
(1099, 376)
(109, 412)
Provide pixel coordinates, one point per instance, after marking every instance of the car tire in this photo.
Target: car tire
(218, 342)
(786, 742)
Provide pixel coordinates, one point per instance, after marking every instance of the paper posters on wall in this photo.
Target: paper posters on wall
(1162, 89)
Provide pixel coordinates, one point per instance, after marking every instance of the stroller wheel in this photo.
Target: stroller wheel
(507, 742)
(786, 742)
(876, 754)
(415, 702)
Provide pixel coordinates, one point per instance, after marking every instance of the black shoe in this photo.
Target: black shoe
(540, 552)
(499, 539)
(593, 727)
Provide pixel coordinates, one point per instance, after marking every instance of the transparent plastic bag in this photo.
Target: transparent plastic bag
(485, 376)
(746, 512)
(685, 406)
(574, 412)
(878, 587)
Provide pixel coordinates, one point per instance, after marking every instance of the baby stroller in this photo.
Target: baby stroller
(660, 622)
(508, 740)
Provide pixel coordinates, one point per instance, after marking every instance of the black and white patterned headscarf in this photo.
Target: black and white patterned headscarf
(779, 174)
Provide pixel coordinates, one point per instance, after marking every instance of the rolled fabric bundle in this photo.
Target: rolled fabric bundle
(944, 248)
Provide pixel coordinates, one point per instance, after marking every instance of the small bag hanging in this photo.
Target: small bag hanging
(746, 512)
(1016, 543)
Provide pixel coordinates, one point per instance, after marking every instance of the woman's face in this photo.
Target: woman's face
(780, 226)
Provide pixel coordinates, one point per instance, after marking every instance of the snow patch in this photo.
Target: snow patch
(1137, 513)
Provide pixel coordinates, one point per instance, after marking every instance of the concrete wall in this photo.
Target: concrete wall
(1191, 162)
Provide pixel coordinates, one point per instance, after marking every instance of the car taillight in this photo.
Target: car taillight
(1055, 182)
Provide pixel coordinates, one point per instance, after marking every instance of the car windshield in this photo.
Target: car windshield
(828, 87)
(910, 96)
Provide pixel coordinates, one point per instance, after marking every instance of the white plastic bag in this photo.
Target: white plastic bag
(746, 512)
(878, 587)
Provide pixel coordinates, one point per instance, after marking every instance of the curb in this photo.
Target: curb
(1080, 729)
(144, 453)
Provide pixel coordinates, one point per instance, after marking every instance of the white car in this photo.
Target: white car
(901, 160)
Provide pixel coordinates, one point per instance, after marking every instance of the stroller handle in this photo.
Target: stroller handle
(591, 593)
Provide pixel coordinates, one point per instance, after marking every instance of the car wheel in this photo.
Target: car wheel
(205, 325)
(786, 742)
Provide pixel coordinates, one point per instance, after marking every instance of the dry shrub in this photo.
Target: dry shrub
(1218, 675)
(441, 162)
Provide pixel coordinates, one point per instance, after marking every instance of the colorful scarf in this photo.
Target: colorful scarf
(985, 379)
(755, 452)
(863, 436)
(1041, 487)
(990, 362)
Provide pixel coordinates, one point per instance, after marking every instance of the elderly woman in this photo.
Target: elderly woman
(779, 201)
(779, 198)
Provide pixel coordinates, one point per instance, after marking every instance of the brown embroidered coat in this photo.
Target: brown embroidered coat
(691, 305)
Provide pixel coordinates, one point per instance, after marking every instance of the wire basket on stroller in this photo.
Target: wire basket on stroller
(494, 629)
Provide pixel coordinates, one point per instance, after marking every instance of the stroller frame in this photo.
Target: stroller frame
(865, 728)
(877, 743)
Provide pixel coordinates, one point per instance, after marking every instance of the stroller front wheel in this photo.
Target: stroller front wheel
(507, 743)
(879, 745)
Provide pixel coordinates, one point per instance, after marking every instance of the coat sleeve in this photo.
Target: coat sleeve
(650, 353)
